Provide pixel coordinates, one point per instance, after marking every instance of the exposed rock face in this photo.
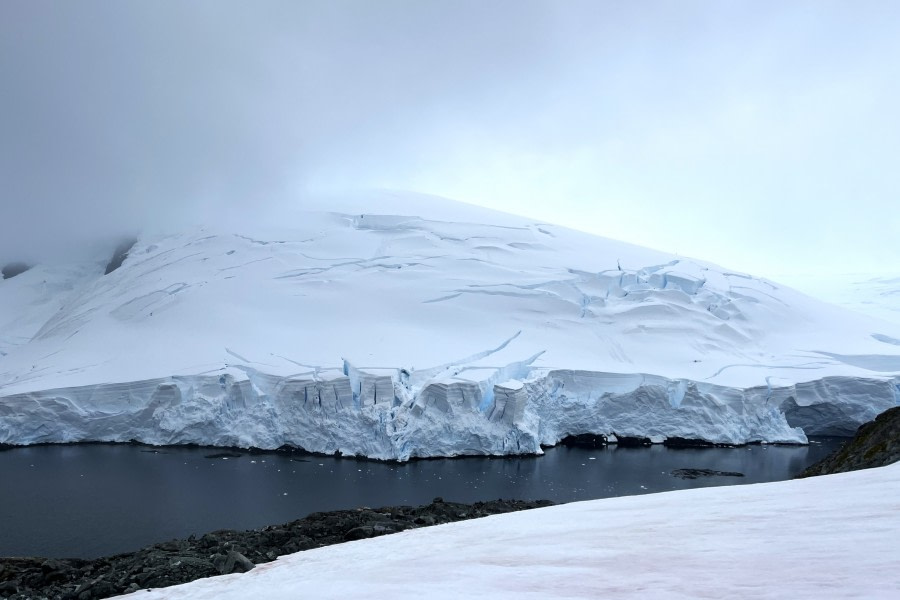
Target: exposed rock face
(584, 440)
(222, 552)
(875, 444)
(120, 254)
(12, 269)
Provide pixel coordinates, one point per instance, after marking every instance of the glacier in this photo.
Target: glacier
(873, 294)
(394, 326)
(376, 417)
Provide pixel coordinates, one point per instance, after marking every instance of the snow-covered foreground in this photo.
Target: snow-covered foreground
(825, 537)
(395, 326)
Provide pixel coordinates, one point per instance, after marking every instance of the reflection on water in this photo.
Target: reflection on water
(95, 499)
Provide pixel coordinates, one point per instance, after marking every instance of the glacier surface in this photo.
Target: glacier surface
(395, 326)
(867, 293)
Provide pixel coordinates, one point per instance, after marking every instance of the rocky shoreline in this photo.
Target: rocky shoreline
(225, 551)
(876, 444)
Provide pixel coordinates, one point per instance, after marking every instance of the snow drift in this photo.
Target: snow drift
(395, 326)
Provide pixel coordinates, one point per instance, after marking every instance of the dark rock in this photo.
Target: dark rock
(584, 440)
(120, 254)
(368, 531)
(103, 589)
(84, 587)
(876, 444)
(225, 551)
(55, 570)
(625, 441)
(696, 473)
(358, 533)
(12, 269)
(678, 442)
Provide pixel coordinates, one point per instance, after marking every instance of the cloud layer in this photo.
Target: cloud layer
(758, 135)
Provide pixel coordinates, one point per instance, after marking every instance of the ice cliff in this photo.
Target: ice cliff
(395, 326)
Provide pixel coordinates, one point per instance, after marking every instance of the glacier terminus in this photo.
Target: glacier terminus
(393, 326)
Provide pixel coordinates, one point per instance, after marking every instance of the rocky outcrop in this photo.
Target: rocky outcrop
(221, 552)
(875, 444)
(12, 269)
(697, 473)
(120, 254)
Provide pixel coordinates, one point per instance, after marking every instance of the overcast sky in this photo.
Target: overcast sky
(759, 135)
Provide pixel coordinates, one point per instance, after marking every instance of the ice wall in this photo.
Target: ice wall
(375, 415)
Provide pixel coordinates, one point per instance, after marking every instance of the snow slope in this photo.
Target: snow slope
(825, 537)
(874, 295)
(396, 325)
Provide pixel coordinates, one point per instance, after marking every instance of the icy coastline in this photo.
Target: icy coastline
(379, 416)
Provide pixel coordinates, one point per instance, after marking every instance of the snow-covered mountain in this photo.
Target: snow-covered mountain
(395, 325)
(874, 295)
(824, 537)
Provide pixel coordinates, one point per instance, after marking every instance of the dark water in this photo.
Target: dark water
(92, 500)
